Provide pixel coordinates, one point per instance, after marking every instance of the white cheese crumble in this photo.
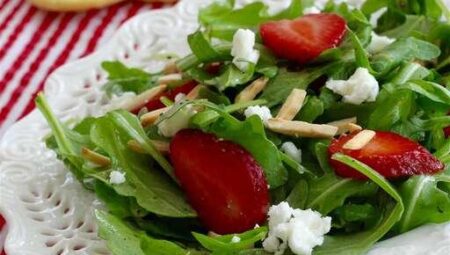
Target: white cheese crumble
(360, 87)
(235, 239)
(242, 49)
(261, 111)
(292, 151)
(116, 177)
(300, 230)
(378, 43)
(180, 120)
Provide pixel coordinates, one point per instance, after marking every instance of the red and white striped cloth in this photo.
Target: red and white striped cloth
(33, 43)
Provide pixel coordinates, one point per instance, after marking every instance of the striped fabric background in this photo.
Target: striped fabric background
(33, 43)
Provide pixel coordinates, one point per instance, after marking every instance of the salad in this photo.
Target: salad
(311, 130)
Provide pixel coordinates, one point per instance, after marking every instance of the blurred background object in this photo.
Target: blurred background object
(81, 5)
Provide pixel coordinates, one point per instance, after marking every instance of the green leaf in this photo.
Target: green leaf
(201, 47)
(403, 49)
(328, 192)
(313, 108)
(410, 71)
(232, 77)
(122, 239)
(124, 79)
(360, 242)
(430, 90)
(120, 206)
(361, 56)
(279, 88)
(221, 20)
(191, 61)
(424, 201)
(224, 244)
(67, 148)
(153, 190)
(250, 135)
(392, 109)
(131, 125)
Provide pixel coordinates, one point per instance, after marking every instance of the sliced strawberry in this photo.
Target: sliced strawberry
(390, 154)
(223, 182)
(170, 94)
(304, 38)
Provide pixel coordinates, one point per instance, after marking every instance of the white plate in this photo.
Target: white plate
(47, 210)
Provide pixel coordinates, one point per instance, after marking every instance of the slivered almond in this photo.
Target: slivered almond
(343, 125)
(252, 90)
(169, 78)
(193, 94)
(150, 117)
(171, 67)
(293, 104)
(301, 128)
(359, 140)
(352, 127)
(143, 98)
(161, 146)
(95, 157)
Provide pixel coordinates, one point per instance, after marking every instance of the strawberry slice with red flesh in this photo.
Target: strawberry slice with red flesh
(223, 182)
(390, 154)
(156, 103)
(304, 38)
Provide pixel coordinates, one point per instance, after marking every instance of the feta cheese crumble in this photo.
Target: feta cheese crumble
(180, 120)
(242, 49)
(300, 230)
(360, 87)
(378, 43)
(116, 177)
(292, 151)
(235, 239)
(261, 111)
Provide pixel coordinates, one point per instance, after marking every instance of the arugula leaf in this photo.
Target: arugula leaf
(424, 201)
(393, 108)
(403, 49)
(250, 135)
(225, 23)
(232, 77)
(328, 192)
(410, 71)
(171, 228)
(153, 190)
(359, 243)
(221, 20)
(191, 60)
(66, 147)
(223, 244)
(430, 90)
(201, 47)
(313, 108)
(125, 79)
(279, 88)
(120, 206)
(122, 239)
(361, 56)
